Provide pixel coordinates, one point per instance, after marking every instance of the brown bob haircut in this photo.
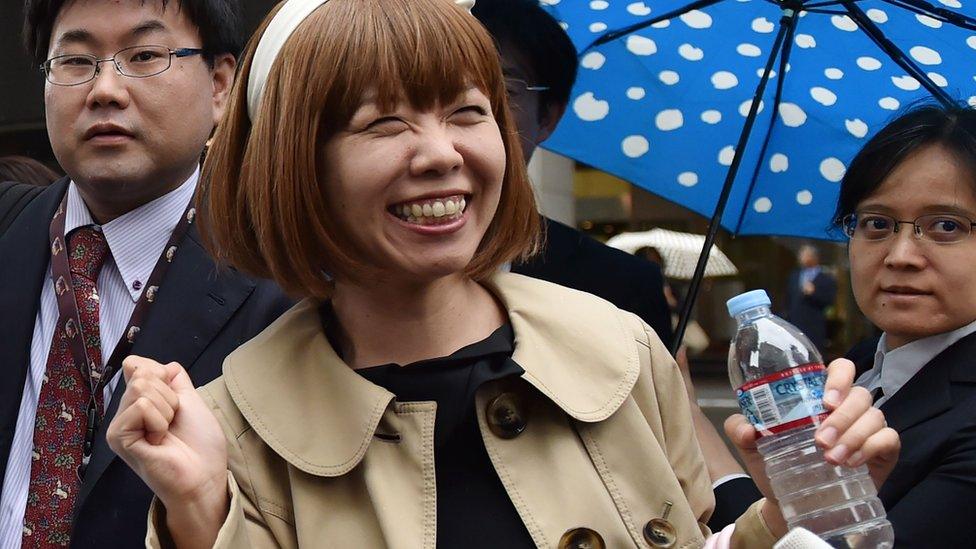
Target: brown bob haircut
(263, 208)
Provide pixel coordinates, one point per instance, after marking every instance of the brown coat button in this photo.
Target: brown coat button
(506, 415)
(581, 538)
(660, 533)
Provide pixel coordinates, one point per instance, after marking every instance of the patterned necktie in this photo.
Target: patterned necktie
(59, 429)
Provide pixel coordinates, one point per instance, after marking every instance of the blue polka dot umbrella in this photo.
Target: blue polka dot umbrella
(747, 111)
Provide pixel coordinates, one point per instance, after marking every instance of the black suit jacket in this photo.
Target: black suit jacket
(931, 494)
(202, 314)
(806, 312)
(572, 259)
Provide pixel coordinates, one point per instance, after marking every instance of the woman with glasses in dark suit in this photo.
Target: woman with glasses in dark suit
(908, 205)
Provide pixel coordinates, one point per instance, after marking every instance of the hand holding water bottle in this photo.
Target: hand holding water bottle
(806, 434)
(853, 424)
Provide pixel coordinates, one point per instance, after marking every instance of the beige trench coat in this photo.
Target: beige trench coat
(321, 457)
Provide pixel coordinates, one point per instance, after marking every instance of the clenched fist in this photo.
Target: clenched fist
(167, 434)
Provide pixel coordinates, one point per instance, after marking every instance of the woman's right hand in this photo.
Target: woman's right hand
(854, 434)
(167, 434)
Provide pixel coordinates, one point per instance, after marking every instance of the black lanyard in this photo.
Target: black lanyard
(97, 376)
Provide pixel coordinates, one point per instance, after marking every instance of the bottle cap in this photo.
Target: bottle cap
(743, 302)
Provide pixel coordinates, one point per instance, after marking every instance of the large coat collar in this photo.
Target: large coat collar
(290, 384)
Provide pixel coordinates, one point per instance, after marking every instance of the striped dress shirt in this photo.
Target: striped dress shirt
(136, 241)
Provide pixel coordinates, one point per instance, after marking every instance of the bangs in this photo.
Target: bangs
(400, 50)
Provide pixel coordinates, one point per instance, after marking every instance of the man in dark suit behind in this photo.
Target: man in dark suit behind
(811, 290)
(128, 127)
(539, 62)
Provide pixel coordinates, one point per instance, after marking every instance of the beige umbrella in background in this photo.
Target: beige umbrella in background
(679, 250)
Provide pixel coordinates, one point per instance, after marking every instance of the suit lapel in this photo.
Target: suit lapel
(196, 300)
(929, 393)
(25, 252)
(964, 360)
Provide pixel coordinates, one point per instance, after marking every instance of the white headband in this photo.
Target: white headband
(284, 23)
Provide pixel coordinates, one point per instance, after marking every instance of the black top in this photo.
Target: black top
(473, 508)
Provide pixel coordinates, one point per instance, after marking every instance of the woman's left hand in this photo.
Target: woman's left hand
(855, 433)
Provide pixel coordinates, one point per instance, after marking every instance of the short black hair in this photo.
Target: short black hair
(218, 21)
(953, 127)
(528, 28)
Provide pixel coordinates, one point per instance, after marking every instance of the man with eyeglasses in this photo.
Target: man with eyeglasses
(539, 62)
(107, 262)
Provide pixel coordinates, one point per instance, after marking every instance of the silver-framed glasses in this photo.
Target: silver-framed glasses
(517, 87)
(942, 228)
(134, 62)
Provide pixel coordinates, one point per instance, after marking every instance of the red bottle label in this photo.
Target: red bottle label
(784, 400)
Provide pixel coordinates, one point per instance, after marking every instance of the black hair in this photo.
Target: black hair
(26, 170)
(953, 127)
(529, 29)
(651, 254)
(218, 22)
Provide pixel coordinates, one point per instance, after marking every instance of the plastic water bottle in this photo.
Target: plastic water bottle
(779, 380)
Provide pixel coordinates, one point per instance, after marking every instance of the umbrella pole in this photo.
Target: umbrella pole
(787, 22)
(784, 60)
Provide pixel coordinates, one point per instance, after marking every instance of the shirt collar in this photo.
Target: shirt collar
(896, 367)
(135, 239)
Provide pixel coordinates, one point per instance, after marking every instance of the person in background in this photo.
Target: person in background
(539, 62)
(26, 170)
(908, 205)
(695, 340)
(419, 396)
(810, 291)
(108, 261)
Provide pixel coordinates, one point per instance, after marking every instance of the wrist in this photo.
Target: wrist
(773, 518)
(195, 520)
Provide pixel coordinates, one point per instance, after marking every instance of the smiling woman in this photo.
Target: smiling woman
(402, 64)
(908, 204)
(418, 396)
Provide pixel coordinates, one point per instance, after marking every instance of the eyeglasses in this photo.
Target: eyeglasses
(516, 87)
(940, 228)
(134, 62)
